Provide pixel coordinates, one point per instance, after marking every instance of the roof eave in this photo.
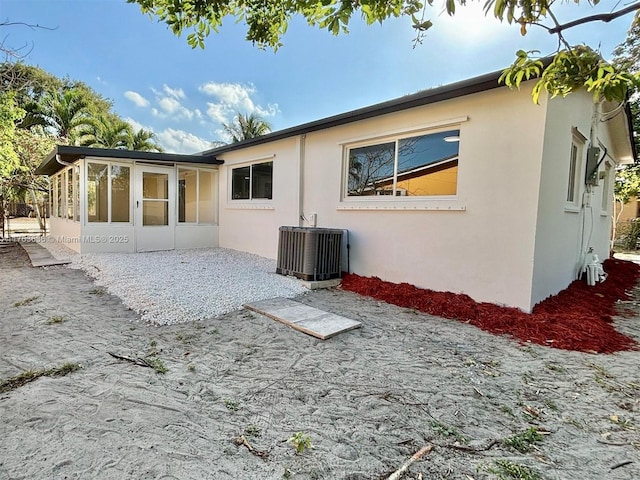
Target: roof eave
(467, 87)
(61, 155)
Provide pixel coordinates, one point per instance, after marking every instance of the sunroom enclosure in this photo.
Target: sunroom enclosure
(119, 204)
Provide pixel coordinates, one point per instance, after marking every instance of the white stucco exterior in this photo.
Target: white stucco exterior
(563, 232)
(505, 237)
(505, 233)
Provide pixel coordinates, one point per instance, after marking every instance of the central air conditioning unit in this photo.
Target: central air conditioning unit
(311, 254)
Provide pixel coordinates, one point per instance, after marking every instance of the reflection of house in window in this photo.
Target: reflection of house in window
(440, 178)
(425, 165)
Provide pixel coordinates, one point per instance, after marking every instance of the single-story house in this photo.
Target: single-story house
(468, 188)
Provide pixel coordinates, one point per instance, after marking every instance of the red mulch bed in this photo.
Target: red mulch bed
(578, 318)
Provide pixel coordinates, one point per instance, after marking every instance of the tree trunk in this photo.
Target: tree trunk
(41, 221)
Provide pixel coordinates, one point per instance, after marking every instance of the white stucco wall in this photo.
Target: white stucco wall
(563, 234)
(252, 226)
(483, 246)
(65, 232)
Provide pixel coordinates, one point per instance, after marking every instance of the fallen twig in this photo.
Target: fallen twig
(416, 456)
(141, 362)
(621, 464)
(465, 448)
(614, 444)
(242, 440)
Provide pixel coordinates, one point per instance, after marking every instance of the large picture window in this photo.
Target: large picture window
(196, 196)
(108, 193)
(416, 166)
(253, 182)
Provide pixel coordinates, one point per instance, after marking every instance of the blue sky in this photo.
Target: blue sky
(157, 81)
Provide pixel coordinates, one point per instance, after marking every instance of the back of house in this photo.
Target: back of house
(469, 188)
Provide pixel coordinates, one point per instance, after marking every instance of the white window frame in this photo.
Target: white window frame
(395, 138)
(250, 164)
(574, 186)
(69, 211)
(54, 195)
(109, 179)
(76, 192)
(213, 206)
(59, 190)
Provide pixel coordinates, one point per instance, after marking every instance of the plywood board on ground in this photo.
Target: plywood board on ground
(304, 318)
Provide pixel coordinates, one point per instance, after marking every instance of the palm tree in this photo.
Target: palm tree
(144, 141)
(106, 131)
(65, 112)
(244, 127)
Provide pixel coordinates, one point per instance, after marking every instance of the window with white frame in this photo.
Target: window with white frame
(108, 193)
(424, 165)
(76, 193)
(252, 182)
(70, 185)
(65, 188)
(59, 196)
(196, 194)
(575, 170)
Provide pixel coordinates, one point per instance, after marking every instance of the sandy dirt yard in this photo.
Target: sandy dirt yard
(237, 387)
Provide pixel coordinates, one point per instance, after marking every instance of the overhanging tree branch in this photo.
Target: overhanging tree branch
(601, 17)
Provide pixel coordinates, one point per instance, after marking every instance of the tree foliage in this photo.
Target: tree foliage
(572, 67)
(10, 113)
(246, 126)
(109, 131)
(627, 183)
(39, 110)
(627, 56)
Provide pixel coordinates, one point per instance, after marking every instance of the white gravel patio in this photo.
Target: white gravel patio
(179, 286)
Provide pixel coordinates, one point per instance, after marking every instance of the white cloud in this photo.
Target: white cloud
(136, 98)
(169, 105)
(234, 97)
(175, 141)
(176, 93)
(179, 141)
(271, 110)
(219, 112)
(135, 124)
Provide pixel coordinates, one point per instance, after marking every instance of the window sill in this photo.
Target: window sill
(405, 207)
(571, 209)
(249, 206)
(195, 225)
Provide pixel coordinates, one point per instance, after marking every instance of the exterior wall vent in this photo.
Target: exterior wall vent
(311, 254)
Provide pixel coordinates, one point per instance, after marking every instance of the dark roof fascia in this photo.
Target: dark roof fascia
(467, 87)
(69, 154)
